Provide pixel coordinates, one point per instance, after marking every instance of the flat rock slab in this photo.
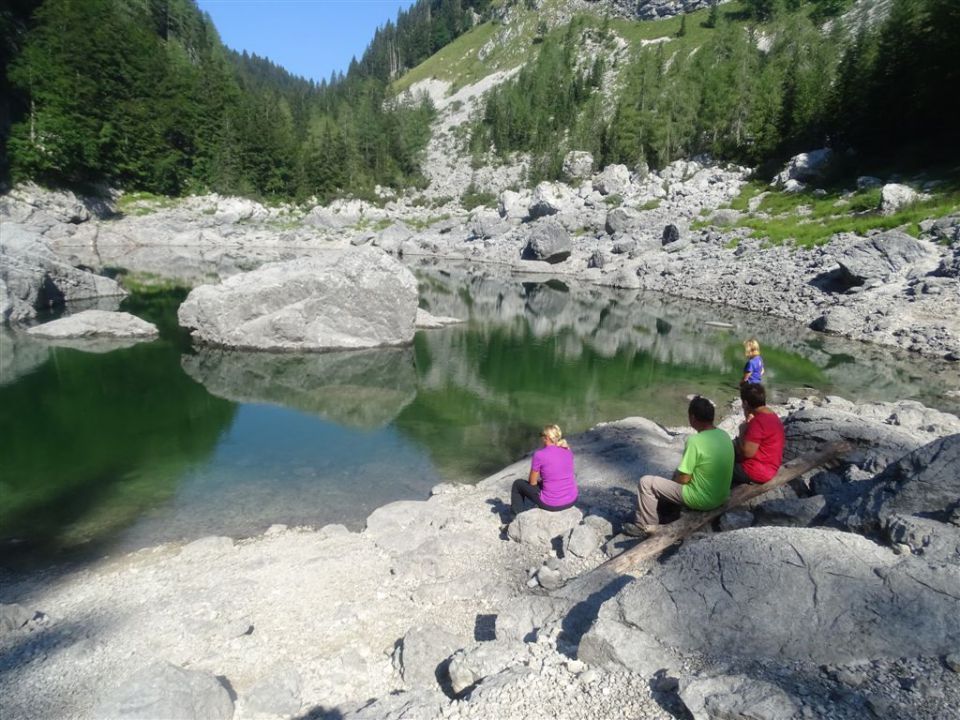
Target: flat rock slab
(96, 324)
(811, 595)
(735, 696)
(347, 300)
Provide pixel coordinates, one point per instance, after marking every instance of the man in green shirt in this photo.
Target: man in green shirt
(700, 482)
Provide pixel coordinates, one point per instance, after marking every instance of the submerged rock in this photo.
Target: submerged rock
(96, 323)
(340, 300)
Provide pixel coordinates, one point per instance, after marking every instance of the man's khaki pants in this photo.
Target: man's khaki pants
(650, 490)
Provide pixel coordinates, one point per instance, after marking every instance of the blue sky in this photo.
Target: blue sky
(310, 38)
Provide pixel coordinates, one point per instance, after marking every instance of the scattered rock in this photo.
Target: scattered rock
(614, 180)
(671, 234)
(548, 199)
(548, 241)
(582, 541)
(577, 165)
(471, 665)
(879, 257)
(13, 617)
(735, 520)
(804, 167)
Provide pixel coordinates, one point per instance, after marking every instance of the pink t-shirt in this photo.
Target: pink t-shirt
(558, 485)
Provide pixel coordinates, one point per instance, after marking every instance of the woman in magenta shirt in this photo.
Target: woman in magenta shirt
(552, 484)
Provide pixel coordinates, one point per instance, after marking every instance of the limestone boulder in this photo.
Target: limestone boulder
(622, 220)
(877, 258)
(277, 694)
(486, 224)
(391, 239)
(538, 527)
(548, 199)
(471, 665)
(915, 502)
(512, 205)
(582, 541)
(166, 691)
(805, 167)
(735, 696)
(421, 653)
(614, 180)
(96, 323)
(895, 197)
(577, 165)
(353, 299)
(548, 241)
(13, 617)
(33, 278)
(830, 587)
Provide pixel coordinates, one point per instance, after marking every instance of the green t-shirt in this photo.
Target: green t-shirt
(708, 459)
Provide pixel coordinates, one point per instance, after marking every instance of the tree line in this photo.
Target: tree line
(142, 94)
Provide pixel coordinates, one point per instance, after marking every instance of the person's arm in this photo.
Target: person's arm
(750, 441)
(684, 472)
(534, 478)
(681, 478)
(748, 449)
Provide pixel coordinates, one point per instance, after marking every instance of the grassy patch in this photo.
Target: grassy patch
(147, 283)
(614, 200)
(473, 198)
(427, 221)
(651, 204)
(144, 203)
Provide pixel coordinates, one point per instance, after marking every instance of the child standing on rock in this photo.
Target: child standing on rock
(753, 370)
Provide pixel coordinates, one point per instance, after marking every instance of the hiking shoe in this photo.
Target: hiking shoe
(640, 531)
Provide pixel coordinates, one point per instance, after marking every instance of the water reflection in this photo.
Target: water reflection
(362, 389)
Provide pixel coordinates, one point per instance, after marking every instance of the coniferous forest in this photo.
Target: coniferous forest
(142, 94)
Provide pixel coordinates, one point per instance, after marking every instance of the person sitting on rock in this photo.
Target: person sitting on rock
(759, 444)
(552, 483)
(700, 482)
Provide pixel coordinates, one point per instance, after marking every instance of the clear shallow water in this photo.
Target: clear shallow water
(160, 442)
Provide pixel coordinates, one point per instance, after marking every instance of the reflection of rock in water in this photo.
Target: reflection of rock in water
(364, 389)
(675, 332)
(19, 355)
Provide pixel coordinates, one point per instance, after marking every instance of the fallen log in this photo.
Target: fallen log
(691, 521)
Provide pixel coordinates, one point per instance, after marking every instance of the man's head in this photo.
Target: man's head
(753, 396)
(700, 413)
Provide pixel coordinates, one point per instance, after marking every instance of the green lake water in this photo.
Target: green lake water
(112, 451)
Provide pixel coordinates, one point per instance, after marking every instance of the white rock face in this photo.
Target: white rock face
(96, 323)
(340, 300)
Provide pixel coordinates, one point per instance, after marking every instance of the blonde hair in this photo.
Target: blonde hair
(555, 435)
(751, 347)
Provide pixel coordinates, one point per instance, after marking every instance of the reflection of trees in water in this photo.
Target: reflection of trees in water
(359, 388)
(90, 441)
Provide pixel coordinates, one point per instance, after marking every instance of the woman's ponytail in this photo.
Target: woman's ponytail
(554, 435)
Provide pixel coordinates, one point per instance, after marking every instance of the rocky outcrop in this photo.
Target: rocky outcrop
(735, 696)
(895, 197)
(830, 587)
(805, 167)
(874, 260)
(344, 300)
(33, 278)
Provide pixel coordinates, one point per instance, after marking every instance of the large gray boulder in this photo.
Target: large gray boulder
(548, 241)
(96, 323)
(614, 180)
(33, 278)
(621, 220)
(804, 167)
(166, 691)
(358, 388)
(817, 596)
(486, 224)
(391, 239)
(877, 258)
(735, 696)
(360, 298)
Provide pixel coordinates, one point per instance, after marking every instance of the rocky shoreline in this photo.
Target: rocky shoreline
(851, 578)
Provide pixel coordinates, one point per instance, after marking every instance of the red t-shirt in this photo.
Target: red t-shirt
(766, 430)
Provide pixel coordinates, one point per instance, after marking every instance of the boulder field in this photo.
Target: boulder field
(836, 597)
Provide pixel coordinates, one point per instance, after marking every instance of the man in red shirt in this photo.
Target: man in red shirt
(759, 446)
